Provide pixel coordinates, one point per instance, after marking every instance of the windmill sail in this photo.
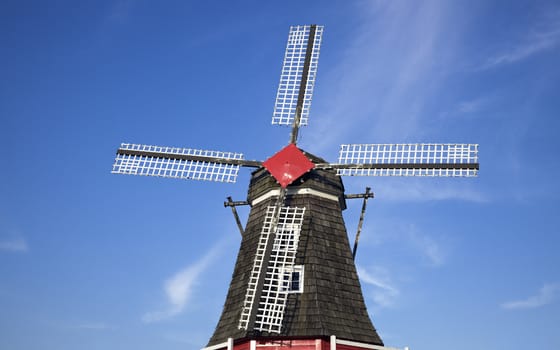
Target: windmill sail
(425, 159)
(298, 75)
(178, 163)
(272, 270)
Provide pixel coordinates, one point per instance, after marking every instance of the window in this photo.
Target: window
(292, 279)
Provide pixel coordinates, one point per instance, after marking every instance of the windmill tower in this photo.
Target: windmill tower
(295, 284)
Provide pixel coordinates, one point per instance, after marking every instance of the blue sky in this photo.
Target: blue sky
(91, 260)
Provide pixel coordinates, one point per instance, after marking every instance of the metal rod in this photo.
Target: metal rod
(473, 166)
(242, 162)
(358, 195)
(235, 215)
(235, 203)
(303, 83)
(360, 223)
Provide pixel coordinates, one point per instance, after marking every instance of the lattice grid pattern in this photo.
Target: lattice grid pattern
(279, 271)
(175, 168)
(272, 301)
(429, 153)
(292, 72)
(257, 268)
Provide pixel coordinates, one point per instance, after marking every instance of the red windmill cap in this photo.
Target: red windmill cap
(288, 164)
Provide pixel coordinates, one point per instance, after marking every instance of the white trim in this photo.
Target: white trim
(291, 192)
(363, 345)
(290, 270)
(253, 345)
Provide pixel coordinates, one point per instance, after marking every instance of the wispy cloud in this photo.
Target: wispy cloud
(546, 295)
(544, 36)
(428, 250)
(466, 107)
(428, 247)
(469, 106)
(384, 292)
(15, 245)
(379, 89)
(179, 288)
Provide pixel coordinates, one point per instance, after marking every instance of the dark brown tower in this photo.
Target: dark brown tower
(331, 301)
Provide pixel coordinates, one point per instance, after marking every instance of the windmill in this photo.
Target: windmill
(295, 283)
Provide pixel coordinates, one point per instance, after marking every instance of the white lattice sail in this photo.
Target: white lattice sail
(278, 270)
(173, 162)
(292, 74)
(422, 159)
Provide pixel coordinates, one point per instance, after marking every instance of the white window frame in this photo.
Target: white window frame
(291, 270)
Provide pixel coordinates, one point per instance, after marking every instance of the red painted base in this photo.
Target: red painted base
(293, 344)
(305, 344)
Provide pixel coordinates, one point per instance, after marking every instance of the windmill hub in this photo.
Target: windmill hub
(288, 165)
(323, 183)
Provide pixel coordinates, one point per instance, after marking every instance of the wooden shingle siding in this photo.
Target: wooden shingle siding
(332, 301)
